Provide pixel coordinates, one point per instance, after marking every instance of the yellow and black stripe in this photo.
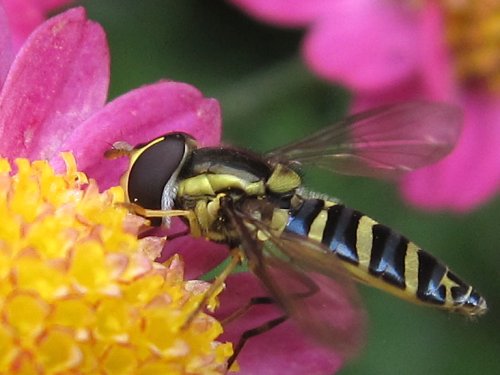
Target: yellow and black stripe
(381, 257)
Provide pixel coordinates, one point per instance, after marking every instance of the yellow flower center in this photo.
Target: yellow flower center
(79, 293)
(473, 32)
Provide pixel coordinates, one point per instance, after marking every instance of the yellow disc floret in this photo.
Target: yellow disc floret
(79, 293)
(473, 33)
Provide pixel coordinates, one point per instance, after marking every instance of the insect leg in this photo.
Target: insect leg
(312, 289)
(252, 333)
(236, 258)
(264, 300)
(311, 286)
(194, 226)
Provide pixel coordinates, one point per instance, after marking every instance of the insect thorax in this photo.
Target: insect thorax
(213, 173)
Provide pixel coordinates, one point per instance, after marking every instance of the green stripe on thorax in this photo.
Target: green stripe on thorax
(281, 180)
(210, 184)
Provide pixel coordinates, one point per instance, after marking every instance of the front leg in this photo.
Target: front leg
(236, 258)
(194, 225)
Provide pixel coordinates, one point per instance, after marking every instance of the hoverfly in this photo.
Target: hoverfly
(306, 248)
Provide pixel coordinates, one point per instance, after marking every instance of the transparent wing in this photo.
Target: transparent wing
(307, 282)
(383, 142)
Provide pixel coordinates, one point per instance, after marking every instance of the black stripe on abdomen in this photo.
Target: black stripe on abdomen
(430, 274)
(387, 258)
(461, 293)
(340, 233)
(302, 217)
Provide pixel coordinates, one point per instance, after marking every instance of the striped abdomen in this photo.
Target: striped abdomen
(378, 256)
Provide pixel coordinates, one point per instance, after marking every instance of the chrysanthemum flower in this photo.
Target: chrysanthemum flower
(387, 51)
(53, 98)
(81, 294)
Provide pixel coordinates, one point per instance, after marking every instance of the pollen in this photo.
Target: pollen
(473, 33)
(81, 294)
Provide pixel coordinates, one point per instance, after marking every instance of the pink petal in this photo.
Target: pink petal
(282, 350)
(436, 61)
(285, 12)
(365, 44)
(199, 255)
(471, 174)
(25, 15)
(58, 79)
(51, 4)
(6, 53)
(139, 116)
(408, 90)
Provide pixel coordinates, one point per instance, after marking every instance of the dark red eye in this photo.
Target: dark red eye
(154, 167)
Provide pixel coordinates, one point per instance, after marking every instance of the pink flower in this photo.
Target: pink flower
(24, 15)
(53, 99)
(20, 17)
(387, 51)
(287, 348)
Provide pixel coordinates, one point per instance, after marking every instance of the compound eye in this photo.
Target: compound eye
(156, 164)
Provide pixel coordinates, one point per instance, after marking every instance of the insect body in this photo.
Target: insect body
(381, 257)
(305, 247)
